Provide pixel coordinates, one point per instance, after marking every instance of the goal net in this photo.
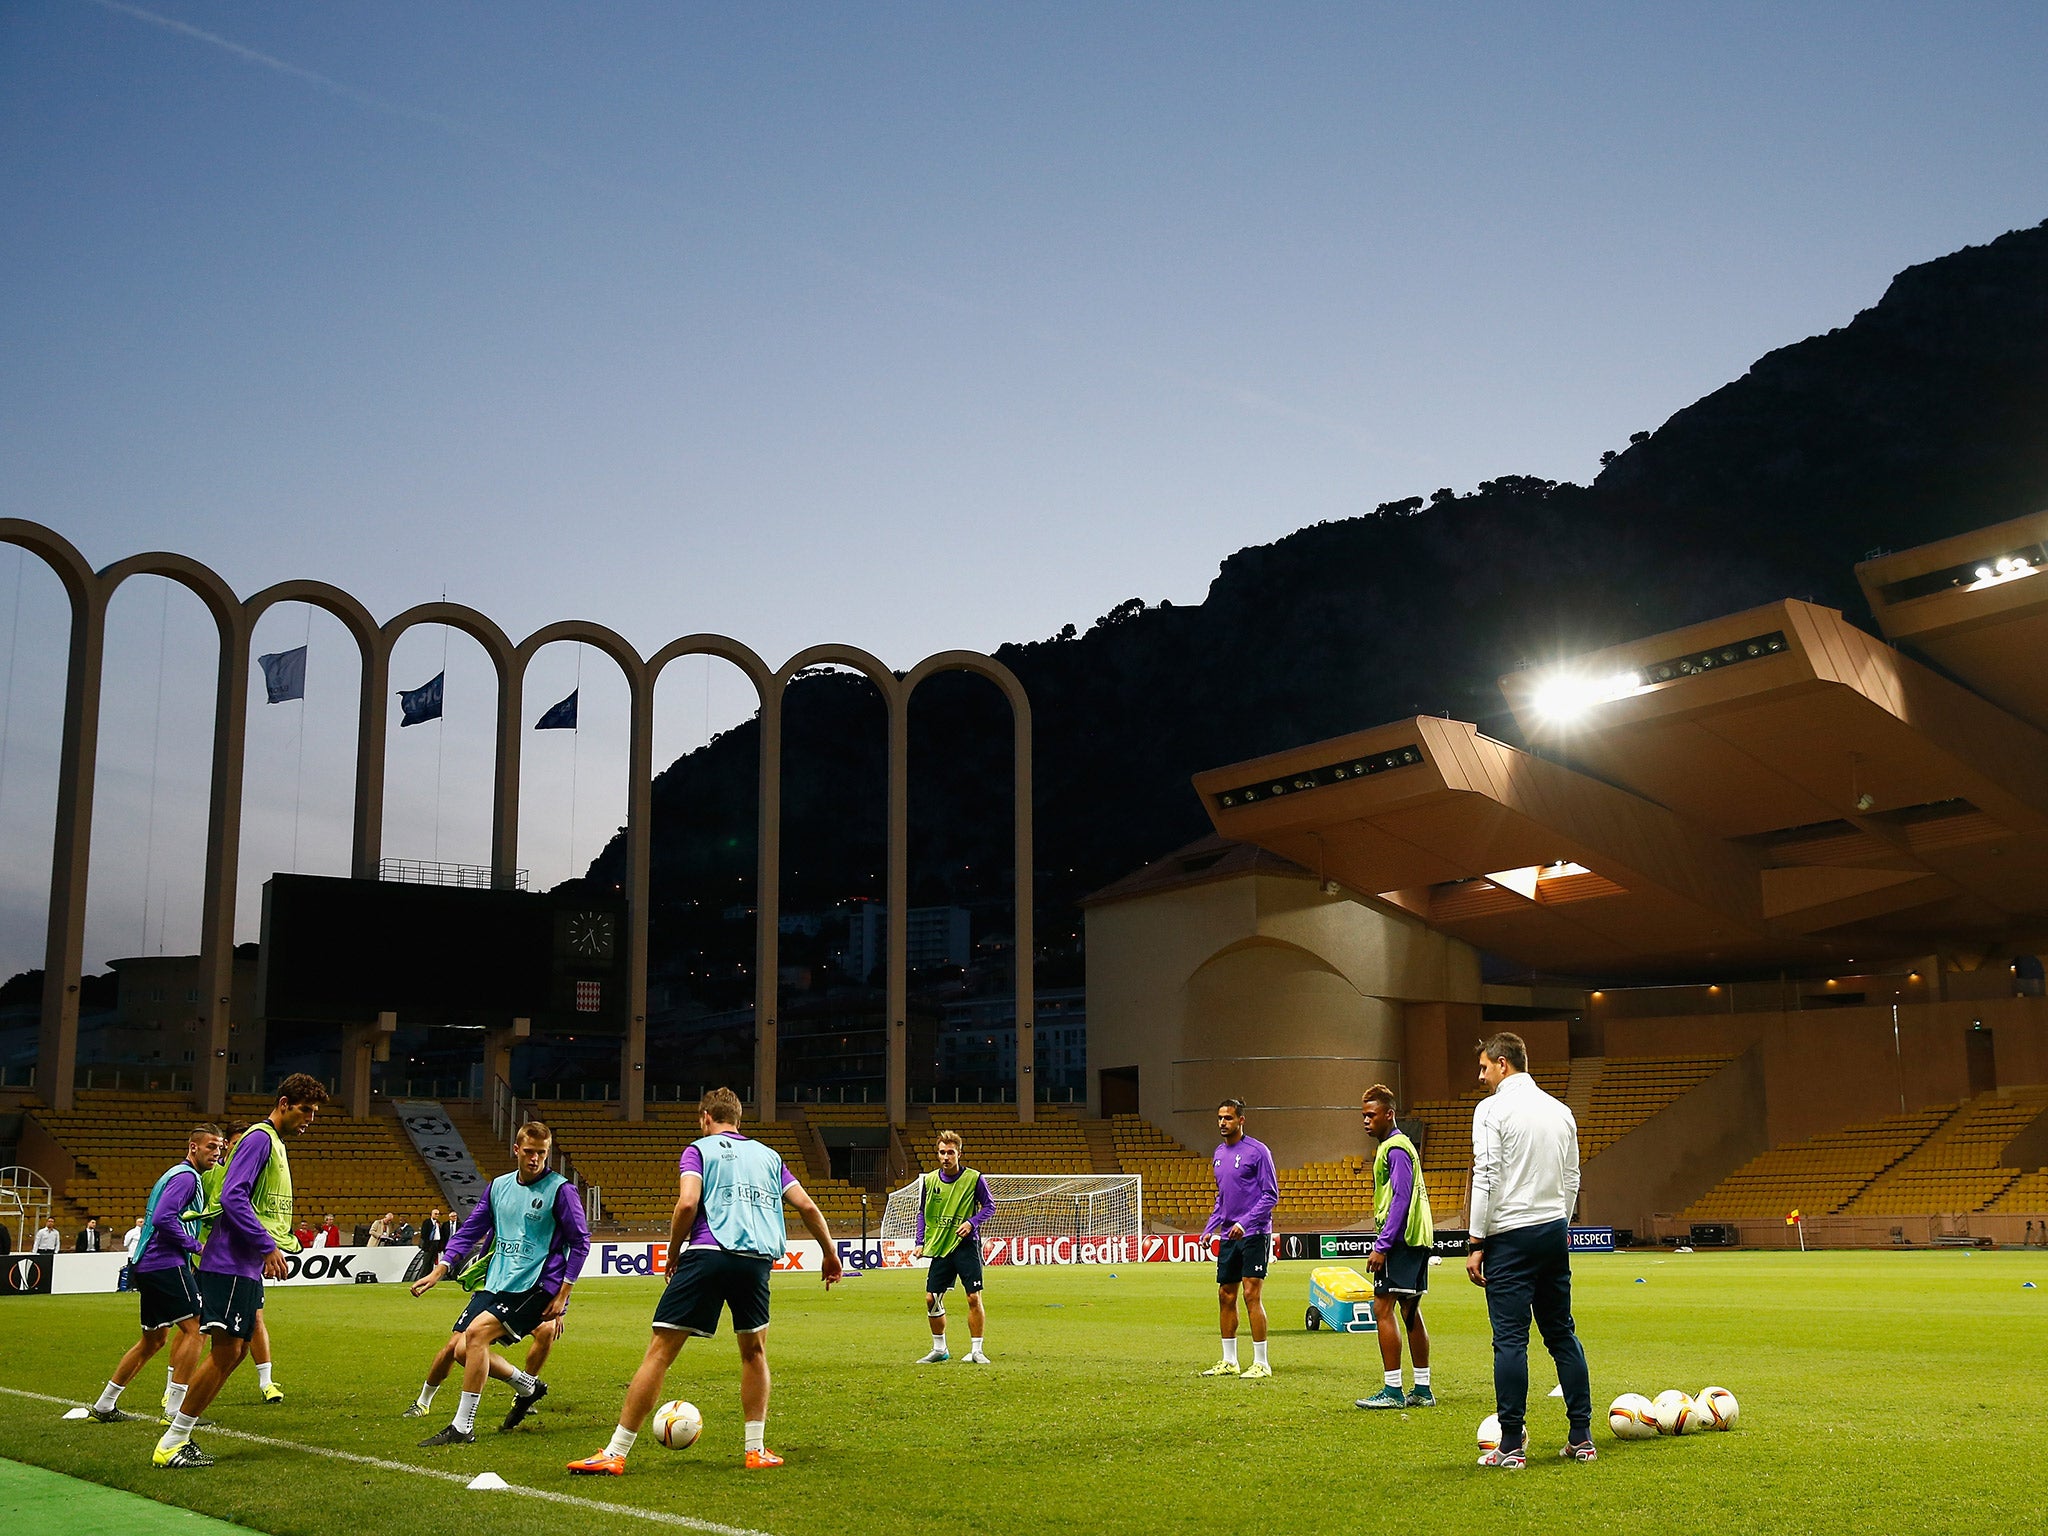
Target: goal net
(1039, 1205)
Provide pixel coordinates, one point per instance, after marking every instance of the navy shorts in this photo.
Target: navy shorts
(1243, 1258)
(518, 1312)
(229, 1303)
(472, 1310)
(168, 1296)
(962, 1264)
(705, 1281)
(1406, 1272)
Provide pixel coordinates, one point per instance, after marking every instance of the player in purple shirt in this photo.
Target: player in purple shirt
(162, 1271)
(243, 1250)
(1247, 1189)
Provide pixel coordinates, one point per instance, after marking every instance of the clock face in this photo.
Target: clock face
(592, 935)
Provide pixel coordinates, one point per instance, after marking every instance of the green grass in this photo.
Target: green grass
(1878, 1390)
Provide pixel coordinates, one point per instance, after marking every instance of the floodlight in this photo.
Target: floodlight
(1566, 696)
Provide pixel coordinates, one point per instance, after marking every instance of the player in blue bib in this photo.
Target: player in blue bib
(533, 1218)
(725, 1236)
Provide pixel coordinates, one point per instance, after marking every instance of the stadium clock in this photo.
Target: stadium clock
(592, 935)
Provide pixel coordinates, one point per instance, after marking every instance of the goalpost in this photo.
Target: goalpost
(1039, 1205)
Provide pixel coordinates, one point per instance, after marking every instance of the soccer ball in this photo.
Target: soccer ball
(1674, 1413)
(1630, 1419)
(1717, 1408)
(1489, 1432)
(677, 1425)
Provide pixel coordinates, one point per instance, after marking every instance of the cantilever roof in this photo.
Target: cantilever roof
(1771, 788)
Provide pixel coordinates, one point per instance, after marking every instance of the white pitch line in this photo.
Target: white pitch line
(658, 1516)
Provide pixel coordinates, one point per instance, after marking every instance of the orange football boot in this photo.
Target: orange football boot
(603, 1464)
(762, 1458)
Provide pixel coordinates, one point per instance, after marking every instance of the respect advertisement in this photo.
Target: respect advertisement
(1592, 1239)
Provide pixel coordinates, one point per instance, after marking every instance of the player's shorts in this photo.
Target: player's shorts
(706, 1280)
(518, 1312)
(167, 1295)
(1406, 1272)
(472, 1310)
(1243, 1258)
(962, 1264)
(229, 1303)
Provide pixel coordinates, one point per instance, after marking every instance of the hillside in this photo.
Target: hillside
(1920, 418)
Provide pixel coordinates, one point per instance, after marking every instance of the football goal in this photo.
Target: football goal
(1039, 1205)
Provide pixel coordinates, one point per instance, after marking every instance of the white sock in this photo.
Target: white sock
(1259, 1352)
(1422, 1375)
(179, 1432)
(757, 1434)
(523, 1384)
(1230, 1351)
(170, 1375)
(174, 1396)
(465, 1411)
(109, 1397)
(1394, 1378)
(622, 1441)
(263, 1375)
(973, 1346)
(426, 1397)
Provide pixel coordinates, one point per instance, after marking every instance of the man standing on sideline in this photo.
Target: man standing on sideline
(724, 1237)
(433, 1237)
(245, 1248)
(89, 1239)
(48, 1238)
(1247, 1189)
(1399, 1260)
(1525, 1183)
(163, 1280)
(533, 1219)
(956, 1203)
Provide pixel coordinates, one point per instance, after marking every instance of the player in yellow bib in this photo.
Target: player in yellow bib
(1400, 1253)
(956, 1203)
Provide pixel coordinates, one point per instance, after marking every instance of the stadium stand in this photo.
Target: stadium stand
(1956, 1170)
(997, 1143)
(1447, 1137)
(1821, 1175)
(634, 1164)
(1180, 1191)
(355, 1169)
(1633, 1088)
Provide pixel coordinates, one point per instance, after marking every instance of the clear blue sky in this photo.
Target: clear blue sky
(912, 326)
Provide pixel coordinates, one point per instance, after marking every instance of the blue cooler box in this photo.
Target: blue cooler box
(1339, 1297)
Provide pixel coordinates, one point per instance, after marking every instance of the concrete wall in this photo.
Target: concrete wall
(1266, 989)
(1826, 1068)
(1680, 1152)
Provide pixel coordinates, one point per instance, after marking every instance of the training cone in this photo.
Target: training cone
(486, 1481)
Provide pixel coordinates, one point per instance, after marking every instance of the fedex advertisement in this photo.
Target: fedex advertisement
(650, 1260)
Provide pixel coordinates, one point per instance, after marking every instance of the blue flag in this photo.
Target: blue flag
(562, 717)
(284, 674)
(419, 705)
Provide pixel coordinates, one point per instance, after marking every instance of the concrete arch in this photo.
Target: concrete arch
(71, 834)
(1022, 842)
(224, 802)
(510, 670)
(367, 837)
(897, 883)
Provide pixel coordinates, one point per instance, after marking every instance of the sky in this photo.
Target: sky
(906, 326)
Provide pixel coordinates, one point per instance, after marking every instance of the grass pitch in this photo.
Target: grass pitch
(1877, 1390)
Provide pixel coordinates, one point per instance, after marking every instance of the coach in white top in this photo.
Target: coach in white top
(1525, 1184)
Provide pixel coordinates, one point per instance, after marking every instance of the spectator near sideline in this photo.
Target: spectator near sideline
(132, 1238)
(6, 1241)
(330, 1234)
(383, 1229)
(305, 1234)
(433, 1237)
(90, 1239)
(48, 1238)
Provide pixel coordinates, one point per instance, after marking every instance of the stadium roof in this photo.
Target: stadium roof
(1771, 789)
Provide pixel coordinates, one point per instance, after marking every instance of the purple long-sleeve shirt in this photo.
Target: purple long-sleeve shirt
(239, 1243)
(565, 1254)
(1247, 1188)
(1401, 1175)
(984, 1203)
(168, 1243)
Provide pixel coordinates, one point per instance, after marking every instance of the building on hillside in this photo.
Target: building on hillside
(978, 1043)
(934, 936)
(155, 1022)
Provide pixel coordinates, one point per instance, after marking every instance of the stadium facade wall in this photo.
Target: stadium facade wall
(1680, 1152)
(1264, 987)
(1827, 1068)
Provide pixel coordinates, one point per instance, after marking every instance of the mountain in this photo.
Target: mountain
(1922, 417)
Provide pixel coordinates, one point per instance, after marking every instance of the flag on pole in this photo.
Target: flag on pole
(1792, 1219)
(419, 705)
(562, 717)
(284, 674)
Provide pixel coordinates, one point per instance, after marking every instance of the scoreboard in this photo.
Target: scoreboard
(339, 951)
